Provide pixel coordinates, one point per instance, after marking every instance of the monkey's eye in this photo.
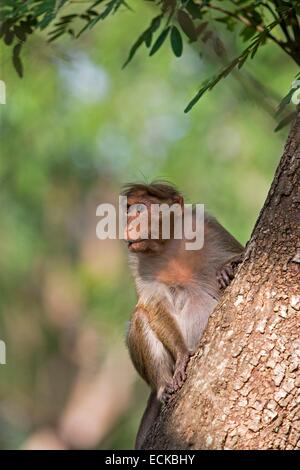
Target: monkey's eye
(136, 209)
(141, 208)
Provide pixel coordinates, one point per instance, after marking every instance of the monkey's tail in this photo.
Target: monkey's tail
(150, 414)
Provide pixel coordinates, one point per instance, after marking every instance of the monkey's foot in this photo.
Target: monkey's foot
(179, 377)
(167, 393)
(227, 272)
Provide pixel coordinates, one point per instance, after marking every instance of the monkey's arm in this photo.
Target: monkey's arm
(140, 349)
(157, 349)
(231, 252)
(166, 329)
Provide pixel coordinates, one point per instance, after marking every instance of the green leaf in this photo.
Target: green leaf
(230, 67)
(285, 101)
(254, 50)
(20, 33)
(148, 39)
(168, 5)
(134, 48)
(247, 33)
(193, 9)
(207, 35)
(242, 60)
(160, 40)
(187, 25)
(92, 12)
(17, 61)
(176, 41)
(285, 121)
(219, 47)
(4, 27)
(56, 34)
(201, 28)
(26, 26)
(228, 21)
(9, 37)
(47, 19)
(197, 97)
(145, 37)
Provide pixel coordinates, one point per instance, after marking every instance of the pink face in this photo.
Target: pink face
(138, 230)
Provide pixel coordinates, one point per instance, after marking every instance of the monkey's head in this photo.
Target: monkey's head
(145, 215)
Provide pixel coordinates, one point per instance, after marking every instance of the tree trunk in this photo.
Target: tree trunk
(243, 386)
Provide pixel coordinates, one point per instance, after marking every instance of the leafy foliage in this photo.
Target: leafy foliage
(20, 19)
(250, 51)
(257, 23)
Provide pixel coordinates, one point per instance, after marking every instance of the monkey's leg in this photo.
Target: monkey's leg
(226, 273)
(150, 414)
(153, 362)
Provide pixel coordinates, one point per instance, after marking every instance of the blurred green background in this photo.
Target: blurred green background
(74, 129)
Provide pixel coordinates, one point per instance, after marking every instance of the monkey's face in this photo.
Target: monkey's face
(144, 230)
(138, 230)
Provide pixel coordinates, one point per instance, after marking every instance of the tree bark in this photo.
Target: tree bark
(243, 385)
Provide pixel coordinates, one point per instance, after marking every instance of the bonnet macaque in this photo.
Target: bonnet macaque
(177, 290)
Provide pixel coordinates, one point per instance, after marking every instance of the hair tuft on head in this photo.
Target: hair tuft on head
(159, 188)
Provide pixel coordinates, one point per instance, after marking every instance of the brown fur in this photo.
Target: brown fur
(160, 190)
(166, 329)
(177, 290)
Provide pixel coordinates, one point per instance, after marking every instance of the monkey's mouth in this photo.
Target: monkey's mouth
(136, 244)
(133, 242)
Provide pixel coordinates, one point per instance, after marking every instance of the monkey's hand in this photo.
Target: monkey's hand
(226, 273)
(179, 377)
